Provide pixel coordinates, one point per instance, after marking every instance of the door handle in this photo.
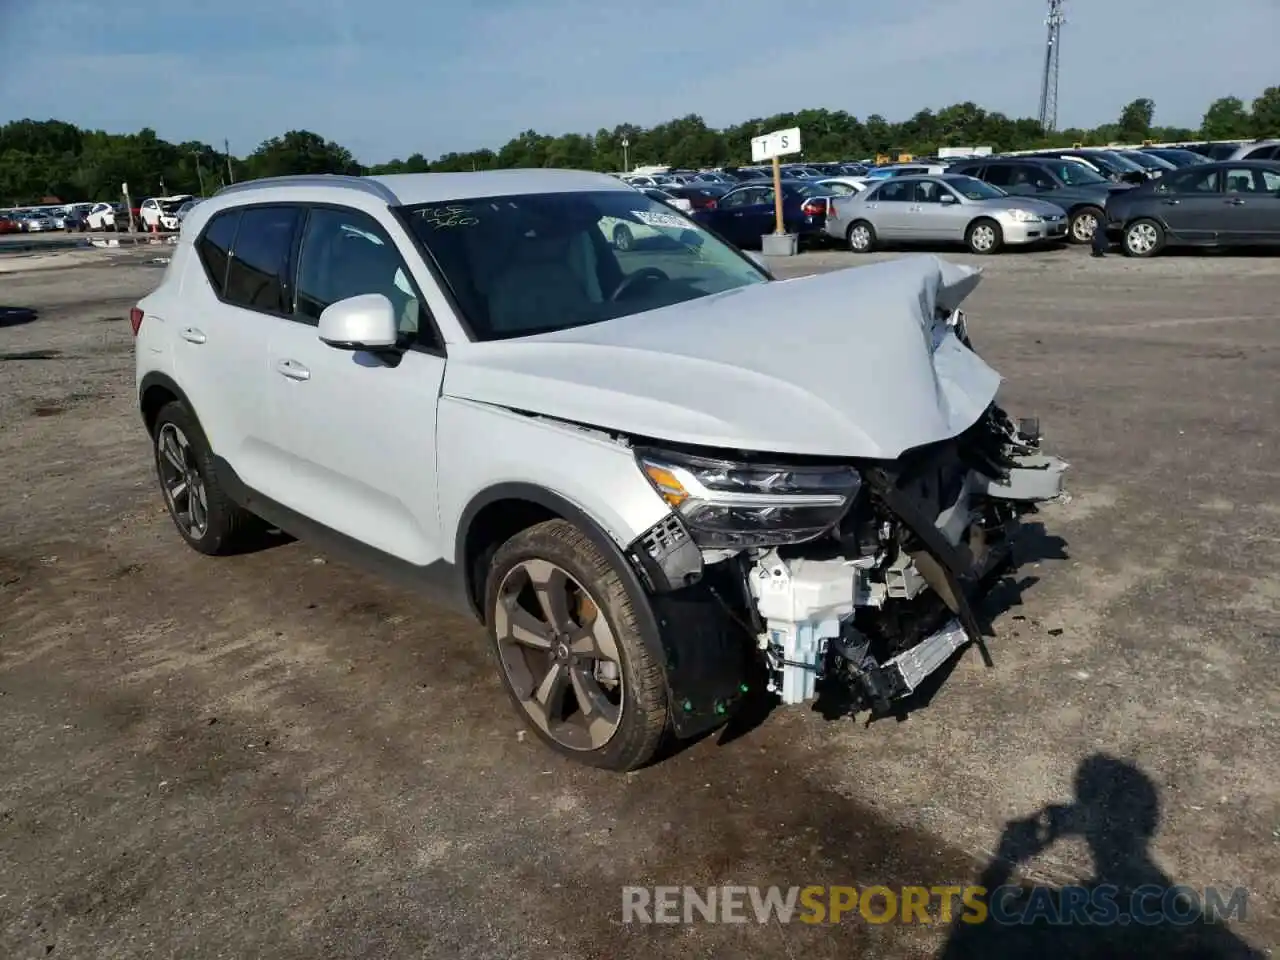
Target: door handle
(292, 369)
(1236, 202)
(192, 335)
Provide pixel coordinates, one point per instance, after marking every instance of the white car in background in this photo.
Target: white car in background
(844, 186)
(624, 232)
(162, 212)
(103, 216)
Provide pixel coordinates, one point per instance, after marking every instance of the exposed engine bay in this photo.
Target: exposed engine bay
(857, 580)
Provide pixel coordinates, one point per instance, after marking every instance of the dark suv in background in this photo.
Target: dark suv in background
(1074, 187)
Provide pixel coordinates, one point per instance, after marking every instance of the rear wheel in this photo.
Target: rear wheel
(201, 510)
(568, 644)
(861, 237)
(1143, 238)
(984, 237)
(1084, 222)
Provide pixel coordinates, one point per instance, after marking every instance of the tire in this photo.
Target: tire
(984, 237)
(179, 443)
(622, 237)
(861, 237)
(1142, 238)
(625, 683)
(1078, 228)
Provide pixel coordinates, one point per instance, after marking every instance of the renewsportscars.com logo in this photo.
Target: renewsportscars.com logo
(1101, 905)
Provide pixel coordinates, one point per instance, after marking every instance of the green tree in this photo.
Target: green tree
(1226, 119)
(1266, 113)
(1135, 119)
(300, 151)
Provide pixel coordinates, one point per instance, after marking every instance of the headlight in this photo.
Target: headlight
(1025, 216)
(727, 504)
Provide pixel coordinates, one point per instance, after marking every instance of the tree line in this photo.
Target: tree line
(44, 161)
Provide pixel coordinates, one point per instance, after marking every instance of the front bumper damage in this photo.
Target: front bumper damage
(870, 621)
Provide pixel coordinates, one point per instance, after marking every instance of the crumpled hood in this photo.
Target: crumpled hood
(838, 364)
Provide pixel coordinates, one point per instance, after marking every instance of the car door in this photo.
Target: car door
(1252, 210)
(734, 219)
(221, 338)
(890, 209)
(933, 220)
(1192, 204)
(352, 434)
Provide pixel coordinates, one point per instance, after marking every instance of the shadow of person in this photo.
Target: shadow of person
(1130, 909)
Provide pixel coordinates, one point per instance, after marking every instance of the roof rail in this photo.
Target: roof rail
(363, 184)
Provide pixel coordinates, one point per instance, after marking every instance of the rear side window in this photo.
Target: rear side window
(214, 247)
(258, 277)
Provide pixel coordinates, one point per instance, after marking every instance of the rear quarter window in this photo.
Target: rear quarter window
(214, 248)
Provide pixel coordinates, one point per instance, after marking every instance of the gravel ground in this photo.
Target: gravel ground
(276, 755)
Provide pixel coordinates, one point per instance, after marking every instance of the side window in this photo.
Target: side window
(738, 198)
(894, 193)
(258, 277)
(345, 253)
(927, 191)
(1270, 180)
(1240, 180)
(763, 196)
(999, 174)
(839, 189)
(214, 247)
(1196, 182)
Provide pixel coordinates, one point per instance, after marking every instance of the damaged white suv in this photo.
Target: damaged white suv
(659, 477)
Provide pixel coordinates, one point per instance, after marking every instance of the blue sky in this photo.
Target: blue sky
(392, 77)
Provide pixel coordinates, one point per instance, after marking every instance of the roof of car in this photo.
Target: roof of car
(409, 189)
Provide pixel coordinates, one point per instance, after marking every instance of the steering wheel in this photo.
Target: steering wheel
(631, 279)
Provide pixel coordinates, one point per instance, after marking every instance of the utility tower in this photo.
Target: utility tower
(1049, 84)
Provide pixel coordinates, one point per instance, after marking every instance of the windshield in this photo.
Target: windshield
(172, 206)
(1119, 161)
(975, 189)
(537, 263)
(1074, 174)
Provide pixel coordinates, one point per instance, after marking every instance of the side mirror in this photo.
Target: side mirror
(366, 322)
(946, 198)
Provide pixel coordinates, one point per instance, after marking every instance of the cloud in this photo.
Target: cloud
(392, 77)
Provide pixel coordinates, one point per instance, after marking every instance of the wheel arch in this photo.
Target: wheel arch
(499, 512)
(154, 391)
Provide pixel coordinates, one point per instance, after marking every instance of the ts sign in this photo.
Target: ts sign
(780, 143)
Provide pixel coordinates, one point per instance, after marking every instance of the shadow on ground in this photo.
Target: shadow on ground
(1131, 909)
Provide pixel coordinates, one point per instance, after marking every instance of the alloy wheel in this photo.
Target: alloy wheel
(1141, 238)
(983, 237)
(559, 655)
(859, 237)
(184, 489)
(1084, 227)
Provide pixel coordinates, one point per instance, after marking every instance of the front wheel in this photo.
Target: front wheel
(1143, 238)
(1084, 222)
(984, 237)
(569, 648)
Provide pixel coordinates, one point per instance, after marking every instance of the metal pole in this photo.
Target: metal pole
(780, 228)
(199, 171)
(231, 174)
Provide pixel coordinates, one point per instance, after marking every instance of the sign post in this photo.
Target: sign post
(773, 146)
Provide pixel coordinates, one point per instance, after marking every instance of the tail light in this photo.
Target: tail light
(814, 208)
(135, 319)
(709, 205)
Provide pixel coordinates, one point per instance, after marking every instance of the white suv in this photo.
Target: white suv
(660, 478)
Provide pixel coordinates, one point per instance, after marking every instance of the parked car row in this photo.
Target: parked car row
(1148, 199)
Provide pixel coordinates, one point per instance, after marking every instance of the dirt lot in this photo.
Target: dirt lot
(274, 755)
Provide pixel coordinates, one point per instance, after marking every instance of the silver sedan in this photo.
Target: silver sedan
(943, 209)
